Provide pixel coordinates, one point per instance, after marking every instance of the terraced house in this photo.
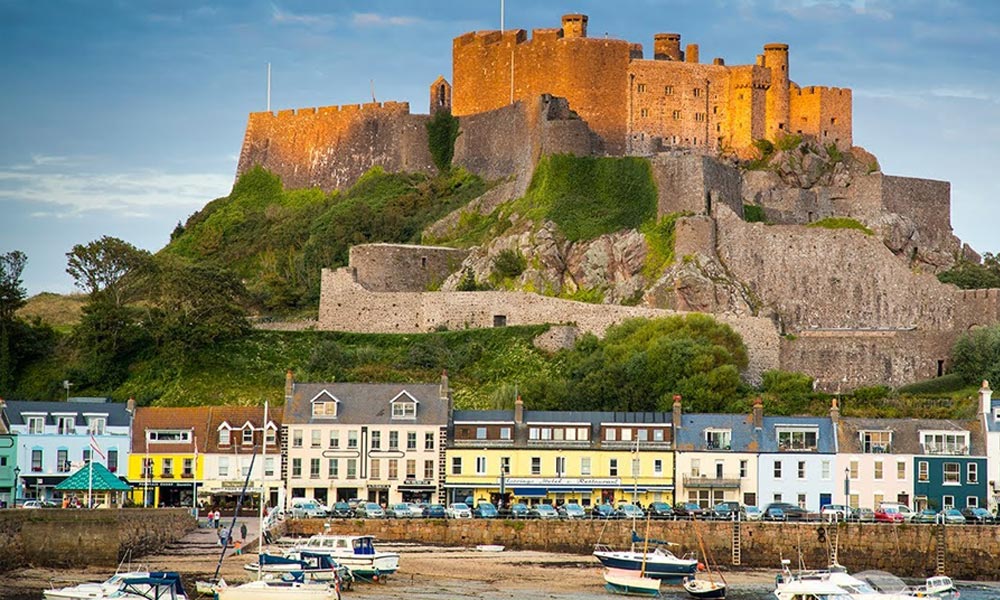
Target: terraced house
(797, 461)
(54, 439)
(380, 442)
(505, 456)
(8, 460)
(166, 463)
(234, 456)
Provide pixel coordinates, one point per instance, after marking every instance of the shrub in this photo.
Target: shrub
(788, 142)
(952, 382)
(442, 131)
(468, 282)
(509, 264)
(754, 214)
(660, 237)
(841, 223)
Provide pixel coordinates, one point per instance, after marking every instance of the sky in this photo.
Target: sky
(122, 118)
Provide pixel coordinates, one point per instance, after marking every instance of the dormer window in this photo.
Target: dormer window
(247, 435)
(797, 438)
(876, 442)
(945, 442)
(996, 414)
(270, 435)
(404, 406)
(169, 435)
(36, 424)
(324, 405)
(719, 439)
(96, 425)
(66, 425)
(224, 437)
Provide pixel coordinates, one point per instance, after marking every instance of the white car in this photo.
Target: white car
(751, 513)
(835, 512)
(33, 504)
(458, 510)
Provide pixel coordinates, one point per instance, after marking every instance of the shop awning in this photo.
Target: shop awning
(530, 492)
(32, 480)
(416, 488)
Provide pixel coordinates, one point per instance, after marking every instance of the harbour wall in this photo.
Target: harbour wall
(78, 538)
(905, 550)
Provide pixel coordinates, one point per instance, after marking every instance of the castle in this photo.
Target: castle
(850, 308)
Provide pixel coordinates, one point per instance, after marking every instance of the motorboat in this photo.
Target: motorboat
(658, 563)
(315, 567)
(155, 585)
(704, 588)
(631, 583)
(939, 586)
(291, 586)
(356, 552)
(808, 589)
(836, 574)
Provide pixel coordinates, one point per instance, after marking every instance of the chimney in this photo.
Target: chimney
(289, 386)
(518, 411)
(130, 406)
(691, 53)
(677, 413)
(985, 398)
(835, 411)
(758, 413)
(443, 392)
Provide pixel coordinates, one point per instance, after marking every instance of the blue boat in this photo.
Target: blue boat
(660, 563)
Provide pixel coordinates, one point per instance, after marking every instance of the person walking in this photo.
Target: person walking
(243, 532)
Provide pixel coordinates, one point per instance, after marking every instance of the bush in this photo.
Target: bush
(509, 264)
(972, 276)
(945, 384)
(788, 142)
(754, 214)
(841, 223)
(442, 131)
(976, 355)
(660, 237)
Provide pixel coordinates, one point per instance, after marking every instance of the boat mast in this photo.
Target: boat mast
(239, 503)
(645, 548)
(263, 488)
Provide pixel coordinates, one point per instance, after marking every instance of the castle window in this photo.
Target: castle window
(499, 320)
(668, 90)
(700, 117)
(423, 262)
(715, 110)
(833, 120)
(640, 87)
(781, 126)
(697, 92)
(718, 127)
(677, 115)
(741, 96)
(644, 112)
(824, 133)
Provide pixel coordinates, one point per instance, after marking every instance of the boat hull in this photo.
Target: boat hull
(630, 583)
(699, 588)
(271, 591)
(674, 570)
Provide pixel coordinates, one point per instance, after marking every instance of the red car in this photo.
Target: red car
(888, 515)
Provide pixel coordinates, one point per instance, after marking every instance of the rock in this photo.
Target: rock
(699, 284)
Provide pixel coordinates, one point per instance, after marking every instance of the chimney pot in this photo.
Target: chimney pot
(758, 413)
(518, 411)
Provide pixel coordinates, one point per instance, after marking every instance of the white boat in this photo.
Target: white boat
(136, 585)
(704, 588)
(490, 548)
(939, 586)
(278, 589)
(660, 563)
(837, 575)
(356, 552)
(808, 589)
(630, 583)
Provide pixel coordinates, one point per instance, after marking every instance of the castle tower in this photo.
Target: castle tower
(777, 111)
(440, 95)
(667, 46)
(574, 26)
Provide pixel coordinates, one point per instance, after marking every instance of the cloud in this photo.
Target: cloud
(377, 20)
(833, 9)
(314, 20)
(129, 194)
(912, 96)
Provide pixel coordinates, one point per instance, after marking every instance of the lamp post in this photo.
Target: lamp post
(847, 486)
(17, 484)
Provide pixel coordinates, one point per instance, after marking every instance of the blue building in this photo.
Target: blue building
(951, 467)
(55, 438)
(8, 461)
(798, 456)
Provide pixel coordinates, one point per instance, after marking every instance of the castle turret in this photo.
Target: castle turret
(691, 53)
(574, 26)
(667, 46)
(776, 120)
(440, 95)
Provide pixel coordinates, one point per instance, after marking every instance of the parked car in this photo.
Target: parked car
(400, 510)
(835, 512)
(630, 511)
(723, 511)
(519, 510)
(863, 515)
(303, 508)
(900, 508)
(459, 510)
(572, 511)
(751, 513)
(660, 510)
(435, 511)
(544, 511)
(369, 510)
(791, 511)
(888, 514)
(33, 504)
(774, 513)
(341, 510)
(603, 511)
(688, 510)
(977, 516)
(952, 516)
(927, 515)
(485, 510)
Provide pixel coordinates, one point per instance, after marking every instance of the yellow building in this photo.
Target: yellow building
(165, 467)
(560, 457)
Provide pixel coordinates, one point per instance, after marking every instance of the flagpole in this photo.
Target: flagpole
(90, 483)
(263, 467)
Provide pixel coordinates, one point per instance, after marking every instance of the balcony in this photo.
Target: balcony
(693, 481)
(474, 443)
(876, 448)
(945, 449)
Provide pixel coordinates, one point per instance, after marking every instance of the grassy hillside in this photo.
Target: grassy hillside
(278, 240)
(59, 311)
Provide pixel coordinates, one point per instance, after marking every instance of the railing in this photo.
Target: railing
(870, 448)
(950, 449)
(714, 445)
(187, 475)
(166, 475)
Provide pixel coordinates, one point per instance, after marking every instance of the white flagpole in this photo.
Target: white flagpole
(263, 488)
(268, 87)
(501, 16)
(90, 484)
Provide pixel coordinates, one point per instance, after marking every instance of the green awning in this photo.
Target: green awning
(104, 480)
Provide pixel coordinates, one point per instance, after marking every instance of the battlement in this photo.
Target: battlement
(821, 89)
(992, 294)
(402, 108)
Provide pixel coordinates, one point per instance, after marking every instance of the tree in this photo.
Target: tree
(12, 297)
(976, 355)
(107, 269)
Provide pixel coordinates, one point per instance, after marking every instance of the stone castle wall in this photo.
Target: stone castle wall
(904, 550)
(691, 183)
(403, 268)
(345, 305)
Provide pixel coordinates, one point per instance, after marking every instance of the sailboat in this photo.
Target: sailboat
(630, 582)
(705, 588)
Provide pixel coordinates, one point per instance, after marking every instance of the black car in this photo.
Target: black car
(688, 510)
(341, 510)
(791, 511)
(660, 510)
(977, 516)
(603, 511)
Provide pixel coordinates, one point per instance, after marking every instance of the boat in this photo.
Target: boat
(660, 563)
(291, 586)
(837, 575)
(939, 586)
(705, 588)
(808, 589)
(490, 548)
(630, 583)
(156, 585)
(315, 567)
(356, 552)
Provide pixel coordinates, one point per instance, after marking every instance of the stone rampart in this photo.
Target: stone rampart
(691, 183)
(904, 550)
(79, 538)
(330, 147)
(345, 305)
(402, 267)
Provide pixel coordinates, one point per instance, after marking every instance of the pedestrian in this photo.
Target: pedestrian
(238, 545)
(243, 531)
(217, 517)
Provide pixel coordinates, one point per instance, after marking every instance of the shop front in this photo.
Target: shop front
(40, 487)
(418, 492)
(225, 494)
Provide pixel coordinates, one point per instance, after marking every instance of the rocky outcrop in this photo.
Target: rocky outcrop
(699, 283)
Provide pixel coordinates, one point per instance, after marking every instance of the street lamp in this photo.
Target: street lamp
(847, 486)
(17, 484)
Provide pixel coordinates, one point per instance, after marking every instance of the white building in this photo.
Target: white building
(233, 451)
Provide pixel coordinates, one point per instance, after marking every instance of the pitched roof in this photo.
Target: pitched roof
(366, 403)
(117, 414)
(193, 418)
(825, 442)
(236, 417)
(103, 481)
(690, 436)
(906, 433)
